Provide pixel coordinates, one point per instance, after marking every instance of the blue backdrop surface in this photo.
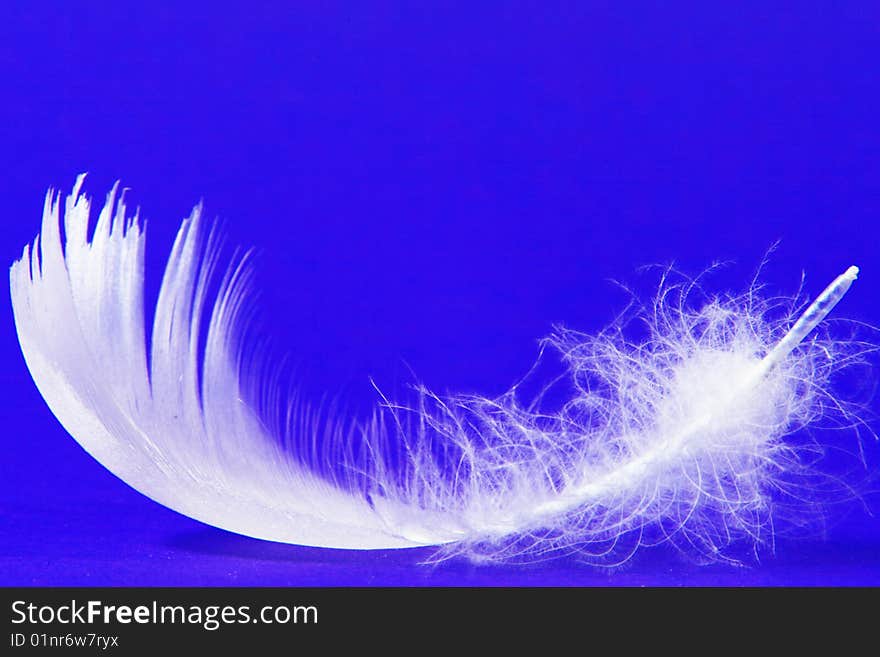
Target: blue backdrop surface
(430, 187)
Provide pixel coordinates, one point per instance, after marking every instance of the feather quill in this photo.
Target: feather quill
(688, 436)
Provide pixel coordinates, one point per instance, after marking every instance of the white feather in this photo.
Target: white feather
(681, 437)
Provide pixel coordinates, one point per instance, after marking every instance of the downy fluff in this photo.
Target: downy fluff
(695, 434)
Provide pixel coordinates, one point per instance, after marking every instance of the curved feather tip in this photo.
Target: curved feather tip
(693, 435)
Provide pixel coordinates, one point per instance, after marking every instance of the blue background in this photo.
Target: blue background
(432, 185)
